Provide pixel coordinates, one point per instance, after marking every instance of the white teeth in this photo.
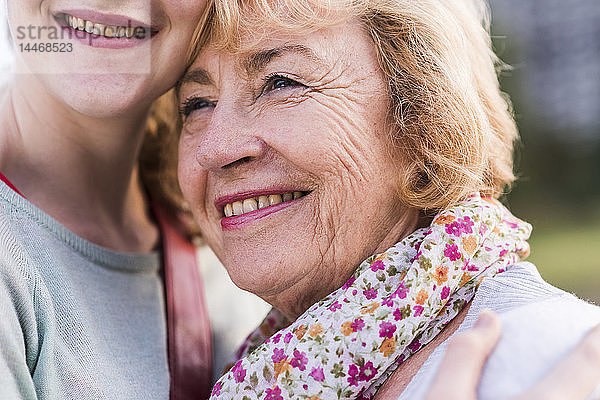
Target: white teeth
(89, 27)
(250, 205)
(140, 32)
(110, 31)
(274, 199)
(254, 203)
(238, 208)
(263, 201)
(99, 29)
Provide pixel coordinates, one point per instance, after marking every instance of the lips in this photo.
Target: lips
(250, 204)
(244, 207)
(105, 30)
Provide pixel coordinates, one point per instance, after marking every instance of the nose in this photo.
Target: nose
(229, 140)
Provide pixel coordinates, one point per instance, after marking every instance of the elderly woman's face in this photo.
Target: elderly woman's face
(286, 162)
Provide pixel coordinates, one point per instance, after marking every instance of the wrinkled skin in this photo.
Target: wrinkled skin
(309, 116)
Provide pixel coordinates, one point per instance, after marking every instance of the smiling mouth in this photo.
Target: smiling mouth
(250, 204)
(109, 31)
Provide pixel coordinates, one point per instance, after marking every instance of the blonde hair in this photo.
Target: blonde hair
(450, 120)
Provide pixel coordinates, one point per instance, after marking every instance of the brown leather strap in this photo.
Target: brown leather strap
(188, 327)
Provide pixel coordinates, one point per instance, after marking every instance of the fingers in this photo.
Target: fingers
(460, 370)
(575, 377)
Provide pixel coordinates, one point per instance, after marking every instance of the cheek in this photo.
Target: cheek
(185, 15)
(335, 143)
(192, 180)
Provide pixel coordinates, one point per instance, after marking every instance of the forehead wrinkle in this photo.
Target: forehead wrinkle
(258, 60)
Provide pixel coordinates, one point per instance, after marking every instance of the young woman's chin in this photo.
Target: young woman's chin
(103, 95)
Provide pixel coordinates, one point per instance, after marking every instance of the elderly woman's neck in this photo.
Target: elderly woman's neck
(295, 300)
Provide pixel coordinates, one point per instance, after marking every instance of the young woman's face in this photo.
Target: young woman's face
(104, 58)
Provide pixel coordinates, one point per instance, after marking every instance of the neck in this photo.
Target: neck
(315, 285)
(79, 169)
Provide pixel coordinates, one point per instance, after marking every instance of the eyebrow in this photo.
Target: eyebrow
(198, 75)
(253, 63)
(258, 60)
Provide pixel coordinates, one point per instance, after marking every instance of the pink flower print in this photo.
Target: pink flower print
(273, 394)
(335, 306)
(445, 292)
(299, 361)
(401, 292)
(367, 372)
(353, 375)
(357, 325)
(239, 373)
(377, 265)
(418, 310)
(216, 391)
(466, 225)
(276, 338)
(454, 229)
(387, 302)
(511, 224)
(317, 374)
(414, 346)
(472, 267)
(387, 329)
(278, 355)
(503, 253)
(349, 282)
(451, 251)
(397, 314)
(370, 293)
(288, 337)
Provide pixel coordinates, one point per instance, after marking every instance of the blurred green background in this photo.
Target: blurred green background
(553, 48)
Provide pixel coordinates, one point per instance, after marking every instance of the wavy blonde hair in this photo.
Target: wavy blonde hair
(448, 116)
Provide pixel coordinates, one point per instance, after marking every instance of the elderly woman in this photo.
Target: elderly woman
(342, 158)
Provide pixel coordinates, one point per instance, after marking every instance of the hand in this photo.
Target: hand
(573, 378)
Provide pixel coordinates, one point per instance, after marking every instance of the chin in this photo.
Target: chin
(263, 276)
(103, 96)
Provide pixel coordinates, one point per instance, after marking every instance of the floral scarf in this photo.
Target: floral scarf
(346, 345)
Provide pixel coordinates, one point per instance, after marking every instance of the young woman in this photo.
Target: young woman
(82, 299)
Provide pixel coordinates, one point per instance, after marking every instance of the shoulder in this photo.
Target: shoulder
(536, 334)
(541, 324)
(20, 279)
(525, 302)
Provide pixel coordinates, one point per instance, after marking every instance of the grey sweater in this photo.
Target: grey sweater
(77, 321)
(540, 325)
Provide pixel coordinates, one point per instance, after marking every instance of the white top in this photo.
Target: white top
(540, 325)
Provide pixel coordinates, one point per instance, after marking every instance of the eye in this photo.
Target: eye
(192, 104)
(279, 82)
